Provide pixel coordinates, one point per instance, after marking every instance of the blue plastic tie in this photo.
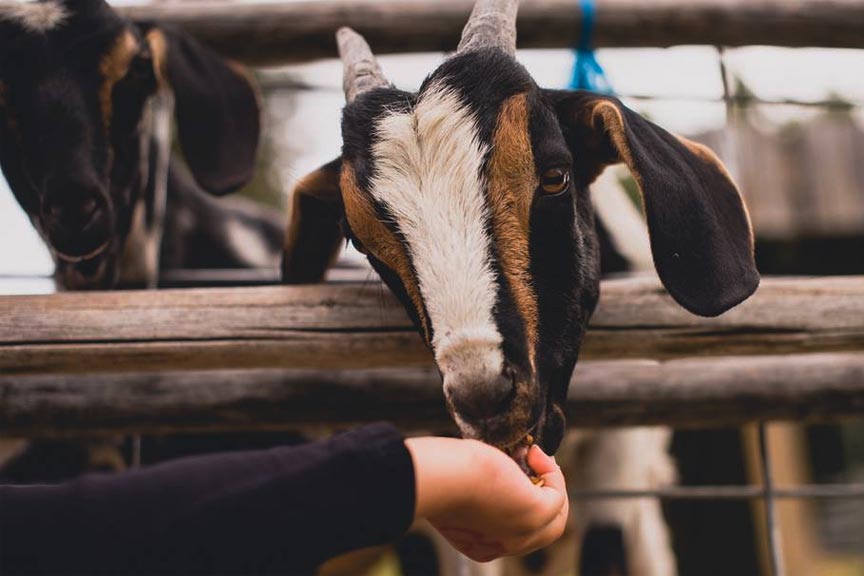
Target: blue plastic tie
(587, 72)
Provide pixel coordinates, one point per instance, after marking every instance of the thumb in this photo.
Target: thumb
(540, 462)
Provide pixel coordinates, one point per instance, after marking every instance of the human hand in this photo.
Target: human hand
(479, 499)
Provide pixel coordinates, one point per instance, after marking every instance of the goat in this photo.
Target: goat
(85, 105)
(85, 101)
(471, 200)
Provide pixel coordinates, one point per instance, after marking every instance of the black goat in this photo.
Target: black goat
(85, 103)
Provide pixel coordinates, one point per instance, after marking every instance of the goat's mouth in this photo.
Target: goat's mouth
(508, 433)
(92, 271)
(78, 258)
(519, 453)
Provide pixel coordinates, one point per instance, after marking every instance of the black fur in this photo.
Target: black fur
(80, 176)
(218, 120)
(700, 234)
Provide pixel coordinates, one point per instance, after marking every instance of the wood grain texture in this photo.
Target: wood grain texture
(268, 33)
(356, 326)
(687, 392)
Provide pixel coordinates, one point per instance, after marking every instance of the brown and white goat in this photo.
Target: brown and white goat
(85, 102)
(471, 200)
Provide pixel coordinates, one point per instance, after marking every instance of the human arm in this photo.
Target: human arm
(275, 511)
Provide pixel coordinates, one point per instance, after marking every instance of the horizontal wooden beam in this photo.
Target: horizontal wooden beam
(688, 392)
(268, 33)
(358, 326)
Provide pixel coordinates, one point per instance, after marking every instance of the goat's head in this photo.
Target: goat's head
(76, 87)
(470, 199)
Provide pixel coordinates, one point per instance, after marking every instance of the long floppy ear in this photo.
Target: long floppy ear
(701, 238)
(314, 236)
(216, 108)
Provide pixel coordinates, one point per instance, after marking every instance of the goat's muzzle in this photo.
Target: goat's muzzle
(495, 402)
(96, 272)
(77, 221)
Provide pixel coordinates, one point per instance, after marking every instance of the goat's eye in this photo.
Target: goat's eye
(555, 181)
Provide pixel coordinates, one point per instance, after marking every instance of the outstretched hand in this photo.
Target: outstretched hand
(482, 502)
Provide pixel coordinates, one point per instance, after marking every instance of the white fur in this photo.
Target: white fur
(35, 17)
(428, 163)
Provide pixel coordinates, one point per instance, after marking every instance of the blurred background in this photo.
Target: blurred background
(789, 124)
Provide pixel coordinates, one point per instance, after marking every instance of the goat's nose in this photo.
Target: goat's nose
(475, 397)
(75, 206)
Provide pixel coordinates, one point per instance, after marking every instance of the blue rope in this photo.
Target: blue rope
(587, 72)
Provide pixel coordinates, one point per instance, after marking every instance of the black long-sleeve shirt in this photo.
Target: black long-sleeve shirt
(280, 511)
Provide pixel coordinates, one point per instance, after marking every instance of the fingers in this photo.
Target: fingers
(547, 535)
(540, 462)
(554, 488)
(548, 470)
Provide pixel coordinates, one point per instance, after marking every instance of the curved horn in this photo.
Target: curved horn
(492, 24)
(362, 72)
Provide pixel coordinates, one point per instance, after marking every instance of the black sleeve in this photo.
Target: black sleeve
(276, 511)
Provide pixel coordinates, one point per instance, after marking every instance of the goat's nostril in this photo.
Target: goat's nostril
(74, 212)
(479, 398)
(88, 207)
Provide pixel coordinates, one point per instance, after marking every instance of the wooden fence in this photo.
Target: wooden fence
(269, 33)
(160, 361)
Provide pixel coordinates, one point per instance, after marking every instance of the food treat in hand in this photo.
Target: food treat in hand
(519, 453)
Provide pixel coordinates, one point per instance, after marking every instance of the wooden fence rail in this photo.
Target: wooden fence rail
(356, 326)
(685, 392)
(79, 363)
(269, 33)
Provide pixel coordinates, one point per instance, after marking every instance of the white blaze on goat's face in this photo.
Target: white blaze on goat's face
(33, 16)
(429, 163)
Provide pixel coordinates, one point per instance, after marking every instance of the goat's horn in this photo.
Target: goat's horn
(492, 24)
(362, 72)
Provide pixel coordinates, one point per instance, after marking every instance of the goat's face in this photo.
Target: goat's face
(470, 198)
(465, 200)
(76, 82)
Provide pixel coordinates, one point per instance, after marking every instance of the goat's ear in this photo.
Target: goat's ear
(701, 238)
(216, 108)
(314, 236)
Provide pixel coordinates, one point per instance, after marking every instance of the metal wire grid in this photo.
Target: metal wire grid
(766, 491)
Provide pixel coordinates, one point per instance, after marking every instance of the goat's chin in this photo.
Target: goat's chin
(98, 273)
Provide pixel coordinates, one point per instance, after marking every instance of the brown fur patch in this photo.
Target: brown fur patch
(379, 240)
(512, 182)
(2, 94)
(158, 51)
(705, 154)
(613, 123)
(322, 184)
(113, 67)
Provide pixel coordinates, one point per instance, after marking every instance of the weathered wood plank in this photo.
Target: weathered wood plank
(267, 33)
(687, 392)
(353, 326)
